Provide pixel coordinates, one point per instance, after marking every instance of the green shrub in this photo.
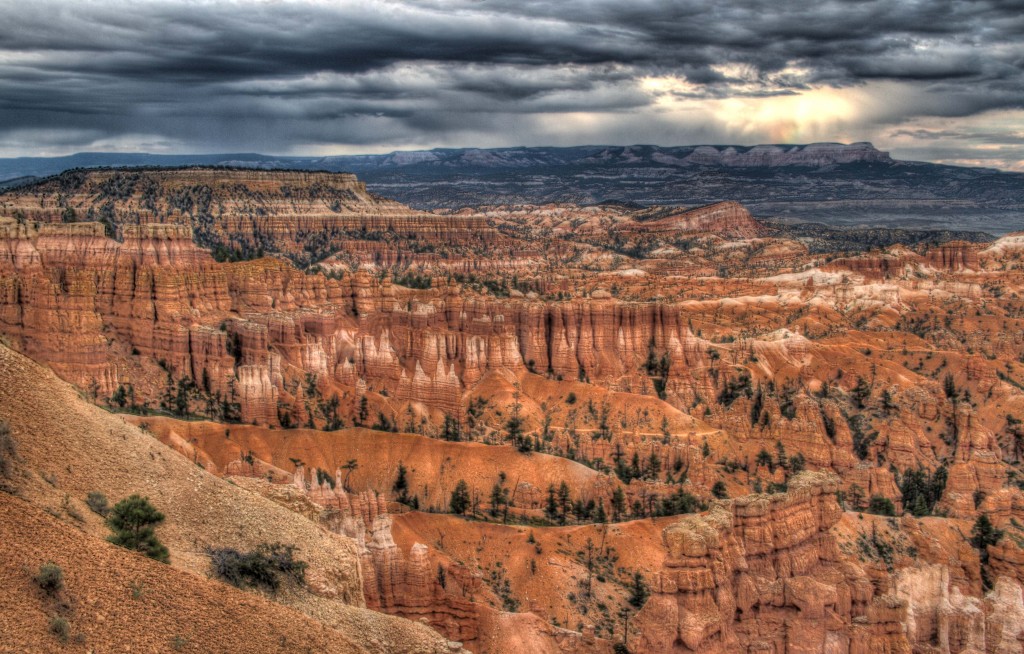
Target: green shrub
(98, 503)
(60, 628)
(719, 490)
(8, 451)
(260, 568)
(50, 578)
(133, 521)
(881, 506)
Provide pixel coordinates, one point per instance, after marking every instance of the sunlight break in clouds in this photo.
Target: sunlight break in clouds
(310, 76)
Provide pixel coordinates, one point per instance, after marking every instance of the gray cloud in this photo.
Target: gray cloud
(284, 76)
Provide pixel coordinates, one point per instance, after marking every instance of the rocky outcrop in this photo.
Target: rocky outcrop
(940, 615)
(876, 267)
(955, 256)
(168, 301)
(762, 573)
(408, 585)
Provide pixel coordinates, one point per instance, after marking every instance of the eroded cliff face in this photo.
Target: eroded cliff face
(671, 365)
(153, 321)
(763, 573)
(417, 584)
(767, 574)
(237, 327)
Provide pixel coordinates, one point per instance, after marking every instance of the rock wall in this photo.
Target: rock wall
(763, 574)
(241, 327)
(955, 256)
(409, 584)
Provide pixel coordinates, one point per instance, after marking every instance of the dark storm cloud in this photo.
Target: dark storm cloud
(279, 75)
(993, 138)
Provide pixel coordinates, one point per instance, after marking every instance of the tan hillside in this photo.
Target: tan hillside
(120, 601)
(68, 448)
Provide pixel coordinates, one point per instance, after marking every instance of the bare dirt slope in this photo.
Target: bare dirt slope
(544, 566)
(116, 600)
(434, 466)
(68, 448)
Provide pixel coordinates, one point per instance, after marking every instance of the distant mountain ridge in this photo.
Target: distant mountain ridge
(834, 183)
(813, 154)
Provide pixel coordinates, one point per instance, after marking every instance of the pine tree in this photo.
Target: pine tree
(719, 490)
(350, 466)
(797, 462)
(756, 406)
(401, 485)
(564, 502)
(861, 392)
(949, 386)
(653, 465)
(551, 508)
(984, 534)
(888, 402)
(460, 501)
(634, 466)
(499, 498)
(638, 590)
(451, 430)
(618, 503)
(856, 497)
(514, 428)
(133, 521)
(364, 411)
(780, 455)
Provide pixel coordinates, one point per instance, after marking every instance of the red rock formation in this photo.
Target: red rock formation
(627, 339)
(762, 573)
(876, 267)
(955, 256)
(407, 585)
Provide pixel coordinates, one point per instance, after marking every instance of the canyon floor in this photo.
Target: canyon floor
(502, 428)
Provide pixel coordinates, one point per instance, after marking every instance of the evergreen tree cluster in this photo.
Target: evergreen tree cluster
(922, 491)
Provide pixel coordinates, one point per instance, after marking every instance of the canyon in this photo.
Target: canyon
(674, 429)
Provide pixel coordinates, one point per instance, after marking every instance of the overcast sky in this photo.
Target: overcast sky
(934, 80)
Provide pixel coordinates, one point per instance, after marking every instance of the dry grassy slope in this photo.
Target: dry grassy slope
(121, 601)
(434, 466)
(80, 448)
